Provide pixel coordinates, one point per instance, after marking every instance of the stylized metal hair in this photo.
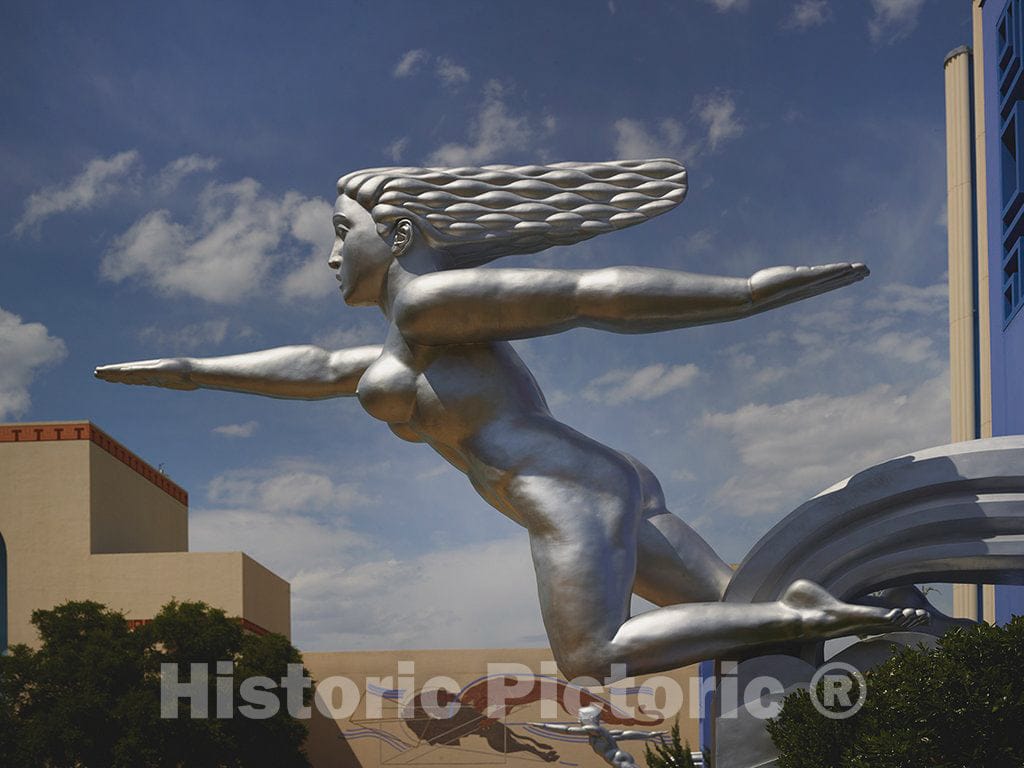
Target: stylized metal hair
(476, 215)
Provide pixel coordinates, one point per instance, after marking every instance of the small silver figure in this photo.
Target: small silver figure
(602, 740)
(406, 240)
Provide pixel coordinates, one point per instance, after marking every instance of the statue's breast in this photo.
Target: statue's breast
(387, 390)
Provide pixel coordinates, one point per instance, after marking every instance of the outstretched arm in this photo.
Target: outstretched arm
(555, 727)
(636, 735)
(478, 305)
(300, 372)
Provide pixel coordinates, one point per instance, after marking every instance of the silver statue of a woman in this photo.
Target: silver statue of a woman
(406, 239)
(602, 740)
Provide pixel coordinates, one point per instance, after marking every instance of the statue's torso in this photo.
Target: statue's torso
(479, 406)
(447, 395)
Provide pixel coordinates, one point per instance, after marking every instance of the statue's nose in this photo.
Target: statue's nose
(334, 260)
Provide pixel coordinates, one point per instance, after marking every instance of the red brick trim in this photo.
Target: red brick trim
(251, 626)
(248, 626)
(39, 433)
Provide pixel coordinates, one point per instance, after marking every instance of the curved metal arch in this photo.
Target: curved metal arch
(954, 513)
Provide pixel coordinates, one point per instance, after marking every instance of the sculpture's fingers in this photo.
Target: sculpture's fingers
(116, 372)
(777, 286)
(169, 372)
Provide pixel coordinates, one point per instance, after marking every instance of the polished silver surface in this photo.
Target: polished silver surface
(602, 740)
(953, 513)
(446, 376)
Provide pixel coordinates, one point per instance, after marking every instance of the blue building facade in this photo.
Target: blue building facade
(1001, 60)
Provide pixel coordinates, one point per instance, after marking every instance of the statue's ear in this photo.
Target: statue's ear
(402, 238)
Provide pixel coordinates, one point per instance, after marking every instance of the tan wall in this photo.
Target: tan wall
(397, 735)
(140, 584)
(129, 513)
(266, 598)
(63, 496)
(43, 489)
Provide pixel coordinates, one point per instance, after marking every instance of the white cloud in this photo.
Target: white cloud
(311, 223)
(893, 19)
(357, 335)
(900, 323)
(634, 140)
(910, 348)
(99, 180)
(476, 596)
(348, 591)
(25, 348)
(722, 6)
(450, 73)
(699, 242)
(808, 13)
(189, 337)
(718, 113)
(667, 138)
(171, 175)
(653, 381)
(227, 251)
(237, 430)
(931, 300)
(291, 488)
(792, 450)
(410, 62)
(494, 132)
(396, 149)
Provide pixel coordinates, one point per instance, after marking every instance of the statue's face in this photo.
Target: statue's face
(359, 254)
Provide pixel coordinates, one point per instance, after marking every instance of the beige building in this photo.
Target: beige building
(82, 517)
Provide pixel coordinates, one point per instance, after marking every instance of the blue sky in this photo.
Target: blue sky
(168, 171)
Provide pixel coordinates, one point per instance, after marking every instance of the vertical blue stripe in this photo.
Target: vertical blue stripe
(975, 286)
(706, 671)
(3, 596)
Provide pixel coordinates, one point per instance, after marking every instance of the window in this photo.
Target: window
(1009, 47)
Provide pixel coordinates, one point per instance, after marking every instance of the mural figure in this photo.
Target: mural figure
(439, 717)
(407, 240)
(602, 740)
(463, 719)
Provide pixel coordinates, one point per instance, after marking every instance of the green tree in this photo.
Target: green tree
(960, 704)
(675, 754)
(90, 696)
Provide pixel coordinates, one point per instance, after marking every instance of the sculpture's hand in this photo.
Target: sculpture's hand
(777, 286)
(170, 372)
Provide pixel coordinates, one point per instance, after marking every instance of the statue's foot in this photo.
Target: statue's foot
(824, 616)
(913, 597)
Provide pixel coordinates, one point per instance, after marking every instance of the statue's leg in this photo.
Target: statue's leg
(583, 506)
(585, 567)
(674, 563)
